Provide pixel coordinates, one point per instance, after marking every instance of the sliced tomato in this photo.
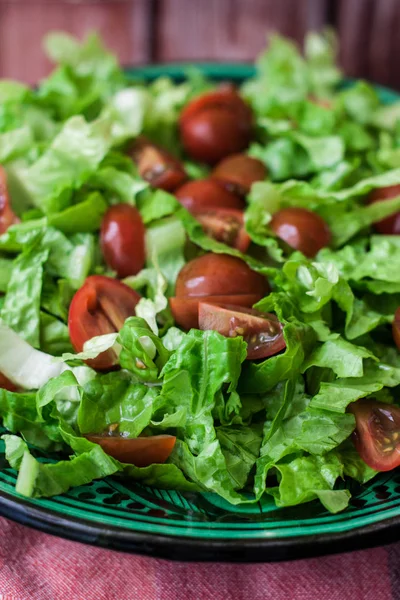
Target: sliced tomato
(122, 239)
(7, 216)
(6, 384)
(185, 309)
(262, 331)
(377, 434)
(225, 225)
(157, 166)
(141, 451)
(100, 306)
(238, 172)
(205, 194)
(389, 225)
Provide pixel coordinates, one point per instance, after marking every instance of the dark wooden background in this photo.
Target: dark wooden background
(142, 31)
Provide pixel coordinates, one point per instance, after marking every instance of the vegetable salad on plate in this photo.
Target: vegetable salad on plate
(200, 283)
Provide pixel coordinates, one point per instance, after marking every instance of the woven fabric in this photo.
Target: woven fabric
(37, 566)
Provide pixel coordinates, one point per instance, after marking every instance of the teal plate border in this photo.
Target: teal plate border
(127, 516)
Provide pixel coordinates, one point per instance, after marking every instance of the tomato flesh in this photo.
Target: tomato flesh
(100, 306)
(390, 225)
(157, 166)
(262, 331)
(185, 309)
(141, 451)
(301, 229)
(225, 225)
(203, 194)
(7, 216)
(219, 274)
(6, 384)
(377, 434)
(122, 239)
(238, 173)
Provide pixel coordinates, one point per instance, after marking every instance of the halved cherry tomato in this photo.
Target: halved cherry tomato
(122, 239)
(262, 331)
(100, 306)
(219, 274)
(7, 216)
(390, 225)
(238, 172)
(206, 193)
(377, 433)
(157, 166)
(225, 225)
(301, 229)
(185, 309)
(141, 451)
(6, 384)
(215, 125)
(396, 328)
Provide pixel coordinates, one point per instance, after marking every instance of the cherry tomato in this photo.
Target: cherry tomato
(100, 306)
(377, 434)
(207, 193)
(219, 274)
(185, 309)
(7, 216)
(122, 239)
(215, 125)
(225, 225)
(141, 451)
(238, 172)
(6, 384)
(157, 166)
(261, 331)
(301, 229)
(390, 225)
(396, 328)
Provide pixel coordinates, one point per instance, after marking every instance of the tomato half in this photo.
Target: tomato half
(225, 225)
(238, 173)
(141, 451)
(157, 166)
(390, 225)
(301, 229)
(262, 331)
(202, 194)
(219, 274)
(122, 239)
(185, 309)
(377, 433)
(6, 384)
(7, 216)
(100, 306)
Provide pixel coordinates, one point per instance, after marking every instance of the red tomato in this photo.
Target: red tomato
(390, 225)
(122, 239)
(396, 328)
(262, 331)
(100, 306)
(301, 229)
(157, 166)
(377, 433)
(206, 193)
(141, 451)
(219, 274)
(6, 384)
(238, 172)
(185, 309)
(215, 125)
(7, 216)
(225, 225)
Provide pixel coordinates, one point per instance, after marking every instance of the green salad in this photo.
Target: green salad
(199, 283)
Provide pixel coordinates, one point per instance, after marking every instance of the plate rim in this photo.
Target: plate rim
(192, 549)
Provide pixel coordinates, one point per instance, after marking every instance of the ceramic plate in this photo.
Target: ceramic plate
(127, 516)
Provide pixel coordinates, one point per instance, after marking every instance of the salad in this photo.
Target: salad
(200, 283)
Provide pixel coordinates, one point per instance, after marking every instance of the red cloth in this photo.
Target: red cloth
(37, 566)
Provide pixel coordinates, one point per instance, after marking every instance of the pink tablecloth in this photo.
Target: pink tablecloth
(37, 566)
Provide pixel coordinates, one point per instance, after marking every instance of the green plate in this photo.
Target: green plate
(128, 516)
